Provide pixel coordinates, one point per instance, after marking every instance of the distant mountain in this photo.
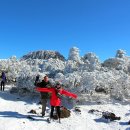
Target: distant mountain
(44, 54)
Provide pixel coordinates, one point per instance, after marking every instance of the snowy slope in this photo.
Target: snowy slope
(14, 111)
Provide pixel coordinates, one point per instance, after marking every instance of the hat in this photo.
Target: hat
(58, 85)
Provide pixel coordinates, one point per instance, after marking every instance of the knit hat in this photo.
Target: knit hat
(58, 85)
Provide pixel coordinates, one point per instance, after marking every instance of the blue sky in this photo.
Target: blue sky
(99, 26)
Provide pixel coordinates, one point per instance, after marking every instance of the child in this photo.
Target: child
(55, 100)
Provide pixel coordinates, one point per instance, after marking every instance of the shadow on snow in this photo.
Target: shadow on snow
(10, 114)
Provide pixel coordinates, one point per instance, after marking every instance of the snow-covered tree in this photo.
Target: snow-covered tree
(74, 54)
(120, 62)
(91, 61)
(85, 76)
(71, 66)
(120, 53)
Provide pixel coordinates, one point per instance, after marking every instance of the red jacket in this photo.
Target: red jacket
(55, 101)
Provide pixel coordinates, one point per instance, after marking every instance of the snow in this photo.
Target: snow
(14, 111)
(81, 75)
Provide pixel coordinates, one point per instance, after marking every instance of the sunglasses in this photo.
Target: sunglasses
(58, 86)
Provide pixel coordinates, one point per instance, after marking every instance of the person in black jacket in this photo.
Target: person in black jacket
(37, 79)
(3, 77)
(44, 96)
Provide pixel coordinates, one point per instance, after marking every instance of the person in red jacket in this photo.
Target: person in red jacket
(55, 100)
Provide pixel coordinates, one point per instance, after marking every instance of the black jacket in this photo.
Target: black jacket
(44, 84)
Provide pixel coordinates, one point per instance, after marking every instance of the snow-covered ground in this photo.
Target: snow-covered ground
(14, 111)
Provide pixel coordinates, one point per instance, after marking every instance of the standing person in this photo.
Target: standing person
(44, 96)
(3, 77)
(37, 80)
(55, 101)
